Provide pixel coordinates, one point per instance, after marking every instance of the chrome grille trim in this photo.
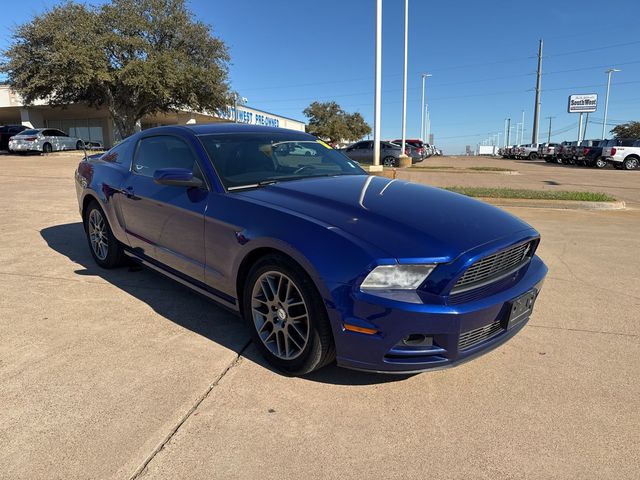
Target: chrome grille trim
(478, 335)
(494, 267)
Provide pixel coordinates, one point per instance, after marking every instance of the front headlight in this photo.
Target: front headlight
(397, 277)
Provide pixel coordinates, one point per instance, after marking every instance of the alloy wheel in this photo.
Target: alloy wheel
(389, 162)
(280, 315)
(98, 234)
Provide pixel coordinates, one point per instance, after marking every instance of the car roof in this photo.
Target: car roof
(224, 127)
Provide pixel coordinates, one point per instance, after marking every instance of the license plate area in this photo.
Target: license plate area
(520, 309)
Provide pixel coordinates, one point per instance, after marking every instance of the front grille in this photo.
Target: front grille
(478, 335)
(494, 267)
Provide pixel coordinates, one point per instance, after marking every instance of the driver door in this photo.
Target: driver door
(165, 223)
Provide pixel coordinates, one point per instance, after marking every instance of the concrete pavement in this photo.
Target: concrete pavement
(124, 374)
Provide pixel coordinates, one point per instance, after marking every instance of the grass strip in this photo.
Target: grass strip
(488, 192)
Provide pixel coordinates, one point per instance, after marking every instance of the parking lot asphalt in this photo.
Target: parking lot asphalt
(125, 374)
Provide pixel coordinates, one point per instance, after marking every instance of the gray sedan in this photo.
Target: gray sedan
(389, 153)
(45, 140)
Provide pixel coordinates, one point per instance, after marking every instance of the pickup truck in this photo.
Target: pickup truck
(582, 153)
(548, 152)
(567, 152)
(622, 153)
(529, 151)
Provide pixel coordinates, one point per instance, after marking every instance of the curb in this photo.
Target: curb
(554, 204)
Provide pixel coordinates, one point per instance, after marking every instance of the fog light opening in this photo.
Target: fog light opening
(417, 340)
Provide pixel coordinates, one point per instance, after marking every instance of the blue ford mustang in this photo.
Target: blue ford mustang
(323, 261)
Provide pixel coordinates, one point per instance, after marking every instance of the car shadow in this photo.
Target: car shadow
(186, 308)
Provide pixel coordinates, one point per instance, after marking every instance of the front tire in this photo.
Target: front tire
(79, 145)
(533, 156)
(287, 317)
(600, 162)
(105, 249)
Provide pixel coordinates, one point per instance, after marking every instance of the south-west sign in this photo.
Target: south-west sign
(583, 103)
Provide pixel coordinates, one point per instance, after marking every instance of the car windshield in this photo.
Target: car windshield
(29, 132)
(254, 159)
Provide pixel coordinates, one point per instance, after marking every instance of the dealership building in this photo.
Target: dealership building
(96, 124)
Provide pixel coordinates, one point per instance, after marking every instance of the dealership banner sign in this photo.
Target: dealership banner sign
(583, 103)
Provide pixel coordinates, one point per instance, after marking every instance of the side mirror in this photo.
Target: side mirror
(176, 177)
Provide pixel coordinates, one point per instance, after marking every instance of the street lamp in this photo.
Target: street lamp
(606, 101)
(404, 77)
(422, 106)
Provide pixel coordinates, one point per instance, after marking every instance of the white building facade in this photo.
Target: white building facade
(96, 124)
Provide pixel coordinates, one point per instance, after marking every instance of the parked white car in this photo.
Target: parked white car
(45, 140)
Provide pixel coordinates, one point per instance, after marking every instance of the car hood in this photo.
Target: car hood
(406, 220)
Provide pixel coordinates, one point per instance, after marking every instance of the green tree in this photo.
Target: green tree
(134, 57)
(627, 130)
(330, 122)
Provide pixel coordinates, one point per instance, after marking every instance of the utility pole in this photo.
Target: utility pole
(606, 102)
(536, 112)
(378, 86)
(404, 78)
(522, 131)
(549, 137)
(508, 133)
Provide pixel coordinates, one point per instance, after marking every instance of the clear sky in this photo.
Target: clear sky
(288, 53)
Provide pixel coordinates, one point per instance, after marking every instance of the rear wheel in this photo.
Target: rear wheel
(389, 161)
(47, 148)
(600, 162)
(630, 163)
(287, 316)
(106, 250)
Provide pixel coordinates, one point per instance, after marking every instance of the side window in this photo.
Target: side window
(49, 133)
(60, 133)
(121, 153)
(163, 151)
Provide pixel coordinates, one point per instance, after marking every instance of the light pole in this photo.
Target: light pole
(505, 132)
(404, 85)
(422, 107)
(606, 100)
(522, 131)
(378, 86)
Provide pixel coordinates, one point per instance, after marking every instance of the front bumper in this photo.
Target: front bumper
(451, 327)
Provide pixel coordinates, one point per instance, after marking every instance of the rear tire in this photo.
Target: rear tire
(630, 163)
(600, 162)
(390, 161)
(105, 249)
(287, 317)
(47, 148)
